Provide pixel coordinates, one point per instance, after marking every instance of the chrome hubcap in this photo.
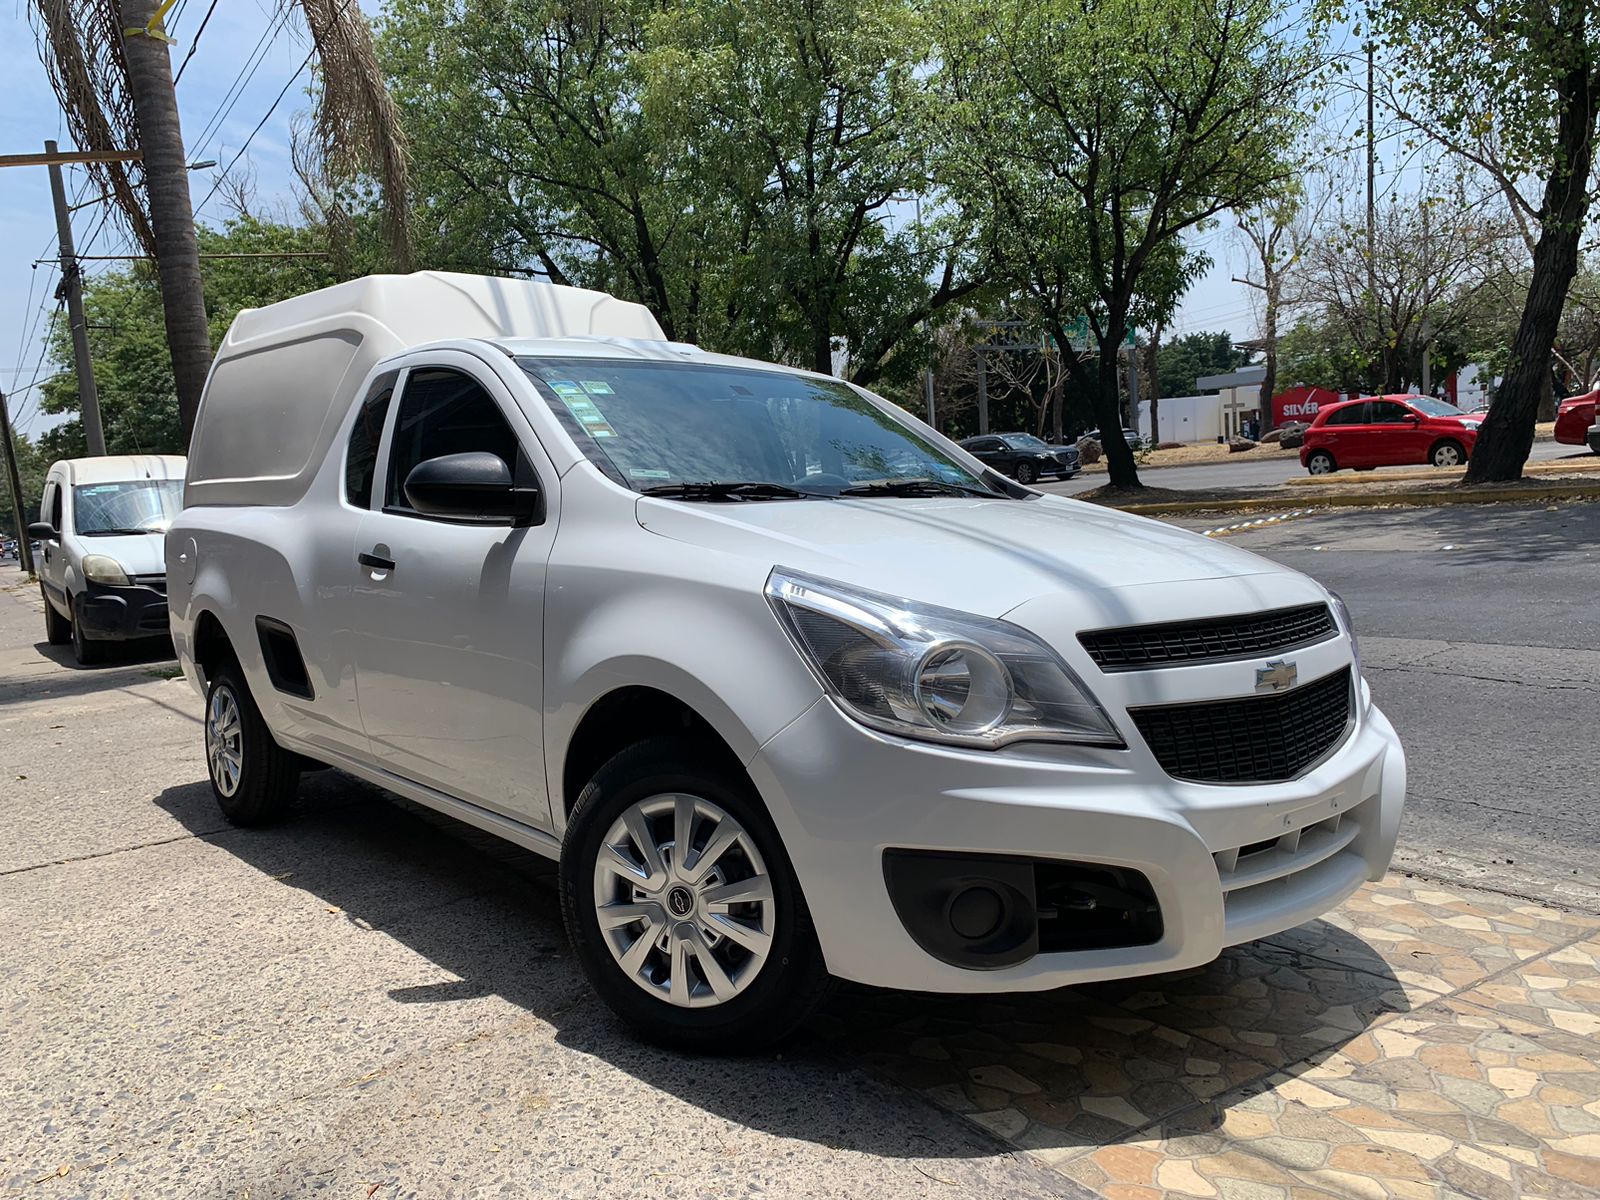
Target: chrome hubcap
(684, 900)
(1447, 456)
(224, 741)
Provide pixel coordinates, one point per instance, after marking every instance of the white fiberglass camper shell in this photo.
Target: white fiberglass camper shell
(791, 685)
(286, 374)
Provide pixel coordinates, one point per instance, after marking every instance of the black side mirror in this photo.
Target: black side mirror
(475, 486)
(42, 531)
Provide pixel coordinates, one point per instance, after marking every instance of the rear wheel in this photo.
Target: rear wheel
(87, 652)
(57, 629)
(252, 777)
(1026, 472)
(682, 905)
(1320, 462)
(1448, 454)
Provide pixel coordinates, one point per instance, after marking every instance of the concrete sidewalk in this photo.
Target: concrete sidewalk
(371, 1001)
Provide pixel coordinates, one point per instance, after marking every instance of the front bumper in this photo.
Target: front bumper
(116, 613)
(842, 796)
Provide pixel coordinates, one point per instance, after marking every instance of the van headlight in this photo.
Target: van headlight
(1341, 612)
(102, 568)
(933, 673)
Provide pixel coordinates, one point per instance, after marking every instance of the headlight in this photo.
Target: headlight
(102, 568)
(933, 673)
(1341, 610)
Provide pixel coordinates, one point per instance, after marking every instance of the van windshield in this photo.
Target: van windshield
(134, 506)
(666, 427)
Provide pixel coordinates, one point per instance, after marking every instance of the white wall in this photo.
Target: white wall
(1184, 418)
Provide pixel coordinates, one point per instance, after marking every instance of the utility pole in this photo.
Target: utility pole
(72, 287)
(1372, 186)
(18, 506)
(927, 376)
(983, 388)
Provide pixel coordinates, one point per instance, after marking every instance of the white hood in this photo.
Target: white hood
(139, 553)
(981, 556)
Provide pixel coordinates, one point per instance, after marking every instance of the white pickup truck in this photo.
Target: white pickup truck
(792, 686)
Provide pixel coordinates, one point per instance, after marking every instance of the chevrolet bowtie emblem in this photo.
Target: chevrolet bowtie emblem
(1277, 676)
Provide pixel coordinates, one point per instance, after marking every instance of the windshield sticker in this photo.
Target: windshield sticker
(601, 431)
(565, 388)
(597, 387)
(585, 409)
(648, 473)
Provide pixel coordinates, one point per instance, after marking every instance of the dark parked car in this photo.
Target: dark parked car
(1020, 455)
(1132, 436)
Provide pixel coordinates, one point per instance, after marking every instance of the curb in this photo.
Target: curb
(1413, 499)
(1556, 467)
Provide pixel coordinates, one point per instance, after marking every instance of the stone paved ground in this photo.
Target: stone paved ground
(1423, 1041)
(369, 1001)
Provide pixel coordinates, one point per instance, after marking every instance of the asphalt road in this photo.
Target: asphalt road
(1247, 472)
(1480, 636)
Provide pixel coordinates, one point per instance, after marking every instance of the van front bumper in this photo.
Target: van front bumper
(121, 613)
(1224, 864)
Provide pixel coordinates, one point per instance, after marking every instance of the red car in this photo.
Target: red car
(1388, 431)
(1574, 418)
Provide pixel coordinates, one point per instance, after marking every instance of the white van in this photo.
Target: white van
(101, 550)
(791, 685)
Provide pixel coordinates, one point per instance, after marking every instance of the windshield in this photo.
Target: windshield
(135, 506)
(654, 425)
(1024, 441)
(1434, 408)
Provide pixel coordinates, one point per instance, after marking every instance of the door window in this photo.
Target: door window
(53, 506)
(361, 460)
(443, 412)
(1388, 412)
(1356, 414)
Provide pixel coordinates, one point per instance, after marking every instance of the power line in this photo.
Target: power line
(241, 81)
(195, 43)
(224, 174)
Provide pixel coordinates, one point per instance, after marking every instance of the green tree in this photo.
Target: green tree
(734, 166)
(1094, 134)
(1181, 361)
(1514, 89)
(127, 331)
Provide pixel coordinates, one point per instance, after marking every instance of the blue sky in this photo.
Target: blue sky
(223, 59)
(31, 114)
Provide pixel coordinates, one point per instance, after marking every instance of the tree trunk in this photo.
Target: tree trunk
(155, 107)
(1507, 433)
(1269, 381)
(1124, 472)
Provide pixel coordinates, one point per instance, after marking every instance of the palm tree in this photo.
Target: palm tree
(109, 63)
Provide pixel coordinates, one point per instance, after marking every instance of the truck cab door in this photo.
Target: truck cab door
(450, 613)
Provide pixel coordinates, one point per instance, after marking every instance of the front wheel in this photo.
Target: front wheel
(1320, 462)
(682, 905)
(1448, 454)
(1026, 473)
(57, 629)
(252, 777)
(86, 651)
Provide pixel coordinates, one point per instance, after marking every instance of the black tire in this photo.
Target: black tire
(1321, 457)
(793, 978)
(1026, 473)
(268, 775)
(87, 651)
(57, 629)
(1444, 450)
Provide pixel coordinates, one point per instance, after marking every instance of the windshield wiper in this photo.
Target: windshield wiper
(919, 487)
(713, 490)
(117, 531)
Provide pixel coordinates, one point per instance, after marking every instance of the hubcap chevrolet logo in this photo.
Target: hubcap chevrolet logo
(1276, 676)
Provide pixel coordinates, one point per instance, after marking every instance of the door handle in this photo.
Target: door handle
(376, 562)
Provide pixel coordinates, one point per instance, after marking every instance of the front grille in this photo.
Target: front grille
(1211, 639)
(1255, 739)
(155, 582)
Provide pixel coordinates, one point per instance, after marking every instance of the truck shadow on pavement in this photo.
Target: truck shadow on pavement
(1063, 1070)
